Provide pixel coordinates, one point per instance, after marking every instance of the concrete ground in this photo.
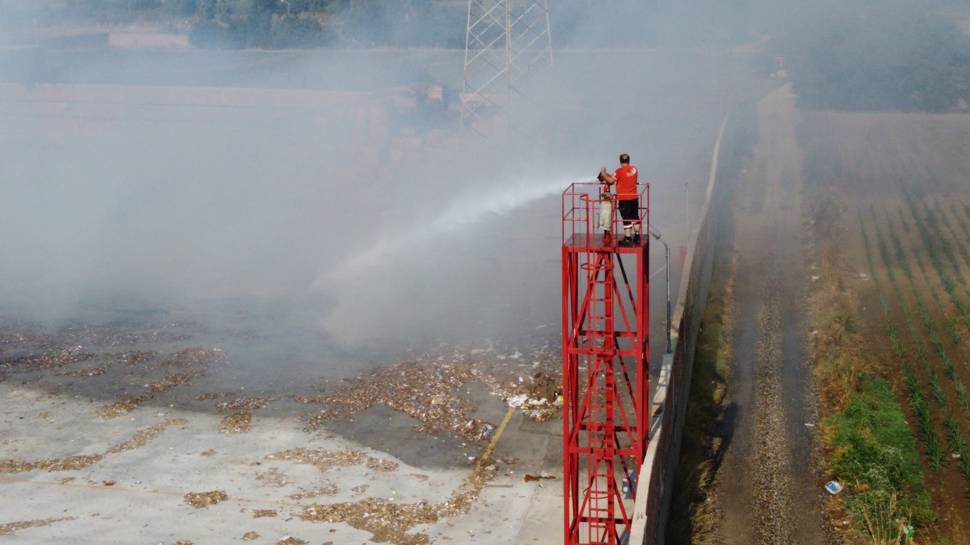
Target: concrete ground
(101, 445)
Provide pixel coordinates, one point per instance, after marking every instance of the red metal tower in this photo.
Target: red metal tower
(605, 328)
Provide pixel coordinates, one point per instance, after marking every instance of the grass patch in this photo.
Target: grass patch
(876, 453)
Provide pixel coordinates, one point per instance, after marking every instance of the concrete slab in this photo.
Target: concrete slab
(88, 475)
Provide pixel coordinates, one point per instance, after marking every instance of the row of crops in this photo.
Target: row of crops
(923, 249)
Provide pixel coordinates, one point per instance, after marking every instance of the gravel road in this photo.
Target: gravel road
(768, 490)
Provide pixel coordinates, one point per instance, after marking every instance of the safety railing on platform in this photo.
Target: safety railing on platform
(583, 206)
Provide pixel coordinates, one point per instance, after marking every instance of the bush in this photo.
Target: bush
(875, 448)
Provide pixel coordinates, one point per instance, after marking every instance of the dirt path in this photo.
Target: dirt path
(767, 492)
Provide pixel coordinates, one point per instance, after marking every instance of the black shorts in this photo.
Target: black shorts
(630, 210)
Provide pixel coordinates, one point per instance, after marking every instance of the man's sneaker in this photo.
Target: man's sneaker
(627, 242)
(636, 240)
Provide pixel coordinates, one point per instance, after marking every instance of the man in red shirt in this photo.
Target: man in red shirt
(628, 199)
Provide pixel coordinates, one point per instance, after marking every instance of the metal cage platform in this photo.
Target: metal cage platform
(605, 329)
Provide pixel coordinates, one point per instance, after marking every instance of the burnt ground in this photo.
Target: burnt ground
(767, 490)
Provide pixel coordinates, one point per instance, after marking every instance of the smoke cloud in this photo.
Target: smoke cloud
(305, 186)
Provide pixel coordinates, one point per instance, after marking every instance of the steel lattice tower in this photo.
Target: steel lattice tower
(505, 42)
(605, 328)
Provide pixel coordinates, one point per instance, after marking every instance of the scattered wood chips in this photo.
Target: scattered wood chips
(328, 489)
(47, 360)
(272, 477)
(134, 357)
(424, 392)
(236, 423)
(196, 357)
(86, 372)
(81, 461)
(130, 403)
(382, 465)
(392, 522)
(7, 529)
(205, 499)
(142, 437)
(246, 403)
(322, 459)
(325, 460)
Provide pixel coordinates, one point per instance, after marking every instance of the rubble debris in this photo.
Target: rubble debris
(529, 477)
(392, 522)
(310, 400)
(539, 397)
(328, 489)
(290, 540)
(382, 465)
(142, 437)
(48, 360)
(208, 452)
(71, 463)
(130, 403)
(85, 372)
(196, 357)
(106, 336)
(388, 522)
(272, 477)
(246, 403)
(261, 513)
(424, 392)
(122, 406)
(209, 396)
(205, 499)
(9, 528)
(324, 460)
(66, 463)
(250, 536)
(134, 357)
(236, 423)
(360, 489)
(183, 542)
